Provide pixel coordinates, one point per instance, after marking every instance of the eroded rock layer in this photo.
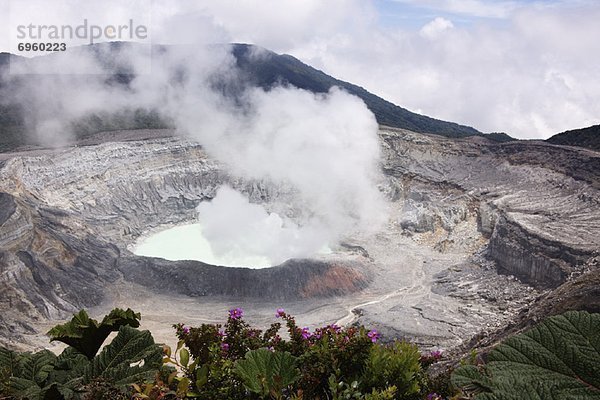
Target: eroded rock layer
(539, 204)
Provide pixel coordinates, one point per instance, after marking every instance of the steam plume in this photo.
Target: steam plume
(325, 146)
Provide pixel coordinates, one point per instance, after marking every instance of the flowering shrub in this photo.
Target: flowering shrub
(330, 362)
(224, 362)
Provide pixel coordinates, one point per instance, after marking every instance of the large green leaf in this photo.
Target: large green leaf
(69, 368)
(253, 370)
(37, 366)
(9, 366)
(264, 372)
(283, 370)
(131, 357)
(558, 359)
(8, 360)
(87, 335)
(31, 374)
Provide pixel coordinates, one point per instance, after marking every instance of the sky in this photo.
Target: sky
(527, 68)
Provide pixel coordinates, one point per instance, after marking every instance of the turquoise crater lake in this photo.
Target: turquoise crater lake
(187, 242)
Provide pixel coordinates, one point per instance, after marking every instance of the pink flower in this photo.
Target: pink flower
(434, 396)
(186, 330)
(236, 313)
(305, 333)
(224, 346)
(280, 313)
(373, 335)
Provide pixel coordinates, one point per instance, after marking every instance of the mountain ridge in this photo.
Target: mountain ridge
(270, 66)
(588, 137)
(266, 70)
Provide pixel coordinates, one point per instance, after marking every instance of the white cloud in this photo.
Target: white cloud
(531, 76)
(527, 68)
(496, 9)
(436, 27)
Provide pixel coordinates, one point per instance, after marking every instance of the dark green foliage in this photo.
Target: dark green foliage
(234, 361)
(14, 131)
(9, 365)
(116, 361)
(199, 340)
(394, 365)
(87, 335)
(123, 120)
(344, 391)
(558, 359)
(499, 137)
(267, 372)
(70, 364)
(342, 352)
(220, 362)
(29, 379)
(73, 375)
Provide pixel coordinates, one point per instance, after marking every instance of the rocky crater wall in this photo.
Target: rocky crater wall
(541, 217)
(49, 265)
(534, 259)
(293, 280)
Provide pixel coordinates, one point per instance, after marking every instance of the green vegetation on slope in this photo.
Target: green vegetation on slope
(267, 69)
(586, 137)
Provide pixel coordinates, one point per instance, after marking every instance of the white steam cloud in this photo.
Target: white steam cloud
(237, 228)
(324, 146)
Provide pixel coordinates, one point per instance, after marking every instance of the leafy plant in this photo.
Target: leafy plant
(87, 335)
(267, 373)
(29, 378)
(235, 361)
(342, 390)
(215, 362)
(394, 365)
(384, 394)
(131, 357)
(9, 364)
(557, 359)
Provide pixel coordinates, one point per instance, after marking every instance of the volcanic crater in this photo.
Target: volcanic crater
(467, 217)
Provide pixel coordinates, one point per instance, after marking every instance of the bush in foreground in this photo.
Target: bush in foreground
(236, 361)
(79, 372)
(213, 361)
